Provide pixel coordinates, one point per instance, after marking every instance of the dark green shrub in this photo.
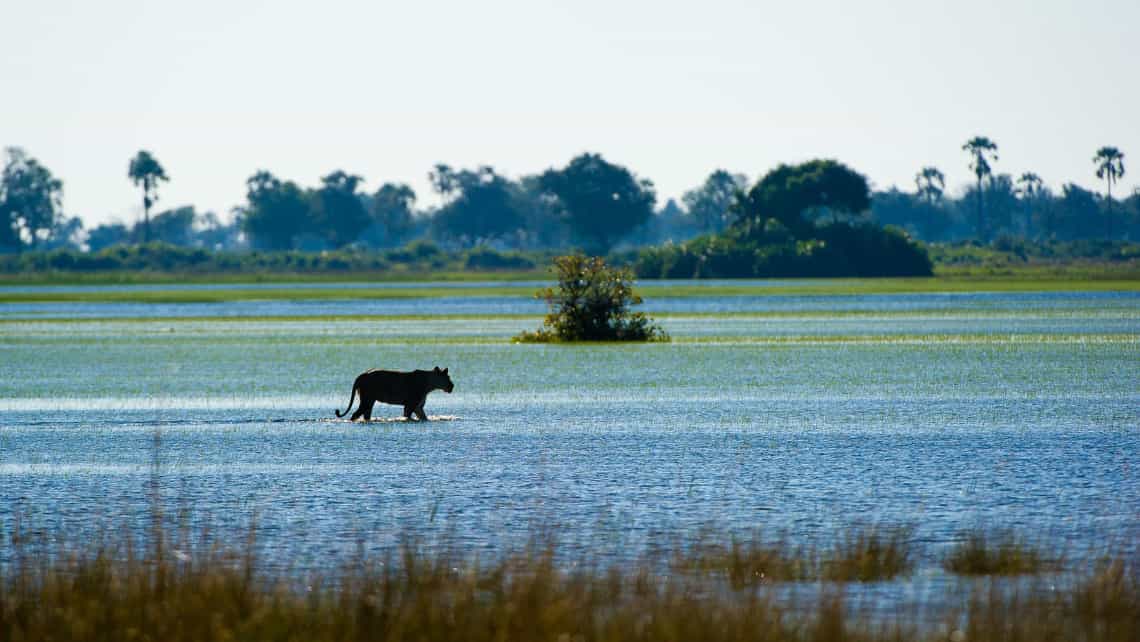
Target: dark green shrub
(771, 251)
(485, 258)
(869, 250)
(592, 304)
(337, 264)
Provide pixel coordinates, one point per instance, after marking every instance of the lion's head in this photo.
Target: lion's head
(442, 380)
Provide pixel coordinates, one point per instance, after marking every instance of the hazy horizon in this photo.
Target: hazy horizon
(217, 90)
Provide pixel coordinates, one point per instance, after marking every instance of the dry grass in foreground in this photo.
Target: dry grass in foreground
(165, 593)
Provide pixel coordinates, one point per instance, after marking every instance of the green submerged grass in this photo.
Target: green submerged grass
(758, 316)
(648, 289)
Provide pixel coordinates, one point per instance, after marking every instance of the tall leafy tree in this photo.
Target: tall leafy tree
(982, 151)
(175, 226)
(392, 211)
(543, 225)
(1002, 204)
(276, 212)
(711, 203)
(210, 232)
(482, 205)
(146, 172)
(30, 200)
(674, 223)
(1109, 166)
(340, 213)
(1076, 207)
(930, 184)
(601, 201)
(67, 233)
(107, 235)
(911, 212)
(789, 191)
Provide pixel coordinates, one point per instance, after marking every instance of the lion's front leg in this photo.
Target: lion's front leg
(408, 410)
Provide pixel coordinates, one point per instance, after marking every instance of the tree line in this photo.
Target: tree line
(590, 203)
(1000, 205)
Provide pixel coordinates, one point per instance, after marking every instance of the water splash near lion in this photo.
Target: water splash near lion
(399, 420)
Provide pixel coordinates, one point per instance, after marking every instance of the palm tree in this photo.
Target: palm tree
(930, 182)
(1109, 166)
(145, 172)
(1030, 185)
(981, 150)
(1029, 188)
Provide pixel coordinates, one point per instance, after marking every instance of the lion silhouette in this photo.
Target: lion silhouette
(407, 389)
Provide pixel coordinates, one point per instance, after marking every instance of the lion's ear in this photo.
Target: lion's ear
(445, 371)
(437, 368)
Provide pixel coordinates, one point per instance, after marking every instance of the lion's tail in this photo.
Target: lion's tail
(351, 400)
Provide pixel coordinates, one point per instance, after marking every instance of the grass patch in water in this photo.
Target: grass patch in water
(747, 563)
(864, 555)
(869, 555)
(1003, 553)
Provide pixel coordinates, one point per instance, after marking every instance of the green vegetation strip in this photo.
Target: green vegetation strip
(1122, 312)
(223, 295)
(648, 289)
(285, 318)
(150, 277)
(165, 322)
(902, 339)
(163, 336)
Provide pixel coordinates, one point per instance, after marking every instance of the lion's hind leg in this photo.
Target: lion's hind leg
(367, 406)
(365, 409)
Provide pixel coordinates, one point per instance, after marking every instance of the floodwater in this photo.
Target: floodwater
(795, 416)
(1084, 304)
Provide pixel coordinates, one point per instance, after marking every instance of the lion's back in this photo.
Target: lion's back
(390, 386)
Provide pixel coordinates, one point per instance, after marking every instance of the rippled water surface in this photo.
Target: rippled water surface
(799, 415)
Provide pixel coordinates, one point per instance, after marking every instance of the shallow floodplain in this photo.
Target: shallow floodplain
(799, 416)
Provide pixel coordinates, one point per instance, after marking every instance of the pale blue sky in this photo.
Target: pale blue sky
(220, 88)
